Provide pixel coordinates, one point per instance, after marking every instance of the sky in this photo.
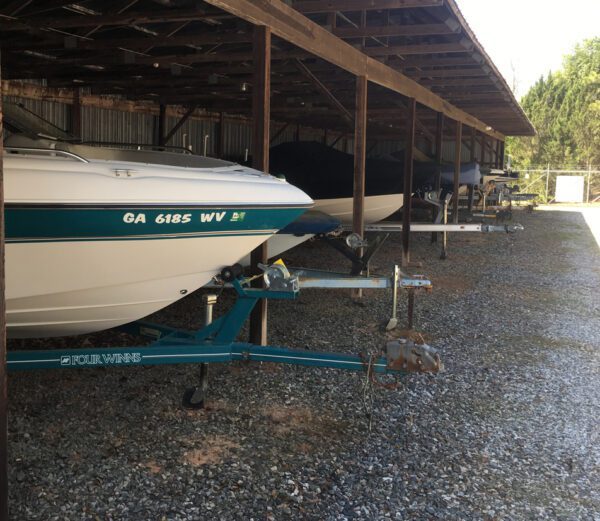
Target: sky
(528, 38)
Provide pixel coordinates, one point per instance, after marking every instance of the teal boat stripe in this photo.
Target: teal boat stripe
(142, 237)
(39, 224)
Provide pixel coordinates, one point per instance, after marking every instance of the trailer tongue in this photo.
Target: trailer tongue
(215, 342)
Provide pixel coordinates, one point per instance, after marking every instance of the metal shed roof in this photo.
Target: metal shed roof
(188, 52)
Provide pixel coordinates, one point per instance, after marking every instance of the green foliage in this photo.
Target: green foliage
(565, 110)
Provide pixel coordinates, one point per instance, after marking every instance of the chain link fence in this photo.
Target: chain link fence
(547, 182)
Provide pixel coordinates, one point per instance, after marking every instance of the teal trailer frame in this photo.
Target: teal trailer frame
(213, 343)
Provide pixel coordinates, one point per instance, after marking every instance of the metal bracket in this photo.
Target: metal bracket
(360, 263)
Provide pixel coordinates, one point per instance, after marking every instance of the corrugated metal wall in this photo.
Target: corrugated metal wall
(115, 126)
(56, 113)
(129, 127)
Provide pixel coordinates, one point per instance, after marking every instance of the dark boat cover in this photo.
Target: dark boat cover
(326, 173)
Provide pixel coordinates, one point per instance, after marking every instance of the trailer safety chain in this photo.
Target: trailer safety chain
(368, 392)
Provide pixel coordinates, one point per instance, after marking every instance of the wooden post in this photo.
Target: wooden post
(161, 124)
(502, 152)
(497, 154)
(261, 112)
(76, 114)
(408, 175)
(439, 150)
(457, 160)
(483, 145)
(439, 153)
(360, 156)
(3, 381)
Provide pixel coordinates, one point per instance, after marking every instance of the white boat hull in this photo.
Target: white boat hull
(82, 287)
(377, 207)
(96, 244)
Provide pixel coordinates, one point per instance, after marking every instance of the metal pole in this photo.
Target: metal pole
(411, 308)
(3, 381)
(444, 253)
(547, 181)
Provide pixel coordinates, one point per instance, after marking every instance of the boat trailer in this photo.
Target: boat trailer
(215, 342)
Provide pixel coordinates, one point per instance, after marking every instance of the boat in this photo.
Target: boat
(99, 237)
(309, 224)
(470, 173)
(326, 174)
(498, 176)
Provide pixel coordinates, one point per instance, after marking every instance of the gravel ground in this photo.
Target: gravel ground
(510, 430)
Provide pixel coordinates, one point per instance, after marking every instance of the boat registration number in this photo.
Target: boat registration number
(183, 218)
(161, 218)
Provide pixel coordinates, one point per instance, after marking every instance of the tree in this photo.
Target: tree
(564, 107)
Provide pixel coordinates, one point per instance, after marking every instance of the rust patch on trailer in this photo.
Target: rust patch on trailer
(418, 337)
(414, 358)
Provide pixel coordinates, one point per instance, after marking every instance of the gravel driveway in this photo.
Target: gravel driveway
(510, 430)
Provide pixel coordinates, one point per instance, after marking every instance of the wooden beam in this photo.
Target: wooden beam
(360, 156)
(321, 6)
(62, 95)
(408, 179)
(137, 44)
(439, 156)
(424, 62)
(293, 27)
(260, 157)
(279, 132)
(447, 73)
(393, 30)
(407, 50)
(3, 376)
(179, 124)
(333, 101)
(457, 82)
(13, 8)
(125, 19)
(336, 141)
(439, 148)
(457, 167)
